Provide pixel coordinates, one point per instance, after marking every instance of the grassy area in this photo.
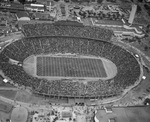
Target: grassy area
(24, 96)
(8, 94)
(5, 107)
(2, 84)
(127, 114)
(141, 48)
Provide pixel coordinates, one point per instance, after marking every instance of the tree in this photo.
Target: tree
(138, 9)
(56, 0)
(22, 1)
(146, 48)
(140, 1)
(99, 1)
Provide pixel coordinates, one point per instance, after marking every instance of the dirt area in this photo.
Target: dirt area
(29, 65)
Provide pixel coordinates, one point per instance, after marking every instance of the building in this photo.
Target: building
(121, 28)
(132, 14)
(34, 7)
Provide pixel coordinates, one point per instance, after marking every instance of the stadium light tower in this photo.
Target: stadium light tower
(132, 13)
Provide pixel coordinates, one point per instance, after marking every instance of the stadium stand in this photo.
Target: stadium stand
(69, 39)
(46, 29)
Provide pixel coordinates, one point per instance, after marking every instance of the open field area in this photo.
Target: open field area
(26, 97)
(125, 114)
(5, 111)
(5, 107)
(8, 94)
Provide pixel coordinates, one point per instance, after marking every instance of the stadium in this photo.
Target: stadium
(70, 60)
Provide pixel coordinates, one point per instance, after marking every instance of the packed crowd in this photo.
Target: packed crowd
(93, 89)
(127, 66)
(46, 29)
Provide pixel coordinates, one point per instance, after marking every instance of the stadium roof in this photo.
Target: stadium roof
(68, 23)
(107, 22)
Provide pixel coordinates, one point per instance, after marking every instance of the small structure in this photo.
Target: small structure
(111, 120)
(147, 101)
(108, 109)
(66, 114)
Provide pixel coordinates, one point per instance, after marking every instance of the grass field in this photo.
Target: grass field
(70, 67)
(8, 93)
(5, 107)
(126, 114)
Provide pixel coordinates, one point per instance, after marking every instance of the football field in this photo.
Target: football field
(69, 67)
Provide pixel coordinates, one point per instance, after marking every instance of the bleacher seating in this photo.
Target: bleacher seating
(69, 40)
